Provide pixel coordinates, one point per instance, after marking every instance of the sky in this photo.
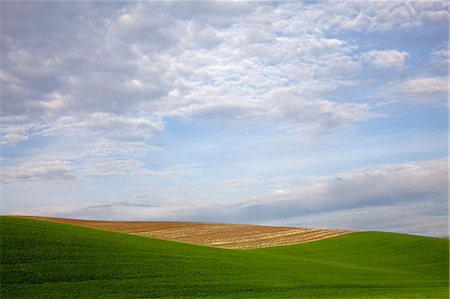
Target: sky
(309, 114)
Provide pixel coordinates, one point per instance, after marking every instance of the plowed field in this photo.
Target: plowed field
(210, 234)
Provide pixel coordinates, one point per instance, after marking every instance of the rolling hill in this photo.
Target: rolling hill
(41, 259)
(221, 235)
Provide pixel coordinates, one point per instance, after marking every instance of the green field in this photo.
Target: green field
(50, 260)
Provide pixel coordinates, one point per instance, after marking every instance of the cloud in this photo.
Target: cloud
(56, 170)
(372, 16)
(396, 197)
(431, 12)
(215, 62)
(103, 147)
(384, 59)
(353, 193)
(86, 166)
(238, 182)
(246, 84)
(118, 210)
(428, 90)
(172, 64)
(425, 85)
(104, 124)
(62, 73)
(422, 218)
(439, 57)
(13, 134)
(385, 16)
(371, 186)
(431, 90)
(99, 124)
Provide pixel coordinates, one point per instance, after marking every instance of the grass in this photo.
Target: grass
(51, 260)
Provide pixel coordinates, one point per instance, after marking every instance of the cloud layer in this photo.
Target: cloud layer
(411, 197)
(201, 62)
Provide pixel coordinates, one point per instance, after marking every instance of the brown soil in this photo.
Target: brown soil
(210, 234)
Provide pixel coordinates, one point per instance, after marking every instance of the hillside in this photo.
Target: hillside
(41, 259)
(221, 235)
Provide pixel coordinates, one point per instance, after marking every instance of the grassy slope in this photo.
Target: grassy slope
(43, 259)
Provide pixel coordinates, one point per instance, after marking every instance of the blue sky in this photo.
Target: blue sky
(316, 114)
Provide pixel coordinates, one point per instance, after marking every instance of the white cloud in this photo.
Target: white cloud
(408, 197)
(209, 62)
(144, 58)
(384, 59)
(183, 65)
(104, 147)
(388, 15)
(237, 183)
(423, 218)
(238, 82)
(13, 133)
(365, 16)
(432, 90)
(110, 167)
(365, 188)
(425, 85)
(435, 16)
(440, 54)
(56, 170)
(85, 167)
(105, 124)
(99, 124)
(439, 60)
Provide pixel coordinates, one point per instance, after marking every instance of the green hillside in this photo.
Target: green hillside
(50, 260)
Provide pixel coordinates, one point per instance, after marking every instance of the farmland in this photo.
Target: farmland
(221, 235)
(42, 259)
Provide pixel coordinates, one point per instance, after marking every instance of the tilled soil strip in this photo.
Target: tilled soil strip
(210, 234)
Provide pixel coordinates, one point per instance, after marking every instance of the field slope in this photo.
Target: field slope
(41, 259)
(221, 235)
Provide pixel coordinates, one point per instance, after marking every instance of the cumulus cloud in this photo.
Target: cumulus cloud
(209, 62)
(197, 60)
(430, 90)
(159, 70)
(13, 134)
(425, 85)
(372, 16)
(383, 59)
(425, 90)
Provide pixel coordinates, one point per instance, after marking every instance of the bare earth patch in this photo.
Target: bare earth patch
(210, 234)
